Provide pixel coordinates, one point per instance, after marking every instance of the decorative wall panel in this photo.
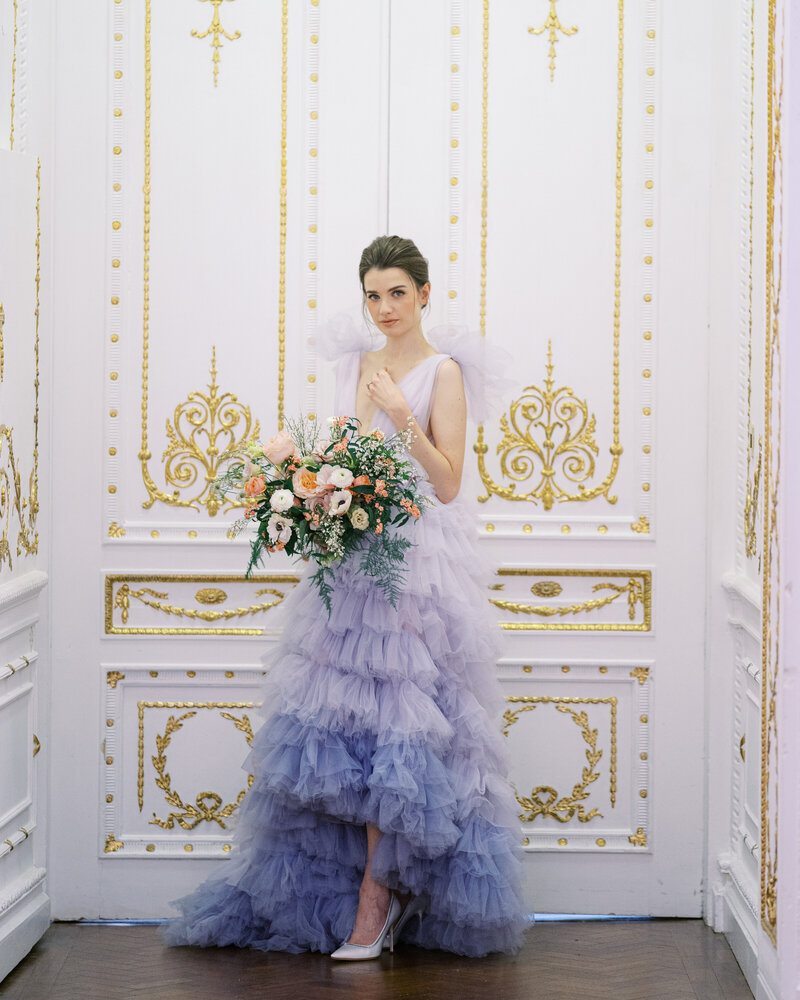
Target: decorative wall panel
(20, 187)
(594, 794)
(571, 452)
(584, 600)
(174, 744)
(193, 257)
(192, 604)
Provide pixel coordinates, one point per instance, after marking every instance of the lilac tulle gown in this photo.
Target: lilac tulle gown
(384, 716)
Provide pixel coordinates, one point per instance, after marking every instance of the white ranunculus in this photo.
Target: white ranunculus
(340, 501)
(340, 477)
(359, 518)
(281, 500)
(279, 528)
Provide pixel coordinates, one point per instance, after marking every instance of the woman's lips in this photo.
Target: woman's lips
(388, 322)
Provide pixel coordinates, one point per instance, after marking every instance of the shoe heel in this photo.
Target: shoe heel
(391, 940)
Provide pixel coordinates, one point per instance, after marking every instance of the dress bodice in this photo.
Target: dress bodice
(417, 385)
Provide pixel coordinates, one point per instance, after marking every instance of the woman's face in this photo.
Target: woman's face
(393, 300)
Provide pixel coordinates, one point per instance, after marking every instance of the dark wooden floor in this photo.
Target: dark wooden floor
(653, 960)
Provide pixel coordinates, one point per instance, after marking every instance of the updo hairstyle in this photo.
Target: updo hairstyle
(394, 251)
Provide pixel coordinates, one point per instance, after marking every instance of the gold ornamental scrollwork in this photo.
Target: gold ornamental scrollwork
(638, 839)
(204, 427)
(208, 807)
(554, 27)
(548, 436)
(217, 32)
(544, 800)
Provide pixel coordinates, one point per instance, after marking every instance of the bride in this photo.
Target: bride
(379, 803)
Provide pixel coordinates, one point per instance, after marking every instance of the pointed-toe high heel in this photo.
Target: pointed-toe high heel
(415, 907)
(358, 952)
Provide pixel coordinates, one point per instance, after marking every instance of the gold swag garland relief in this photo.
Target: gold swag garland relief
(119, 593)
(637, 590)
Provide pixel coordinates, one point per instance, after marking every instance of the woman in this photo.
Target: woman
(379, 793)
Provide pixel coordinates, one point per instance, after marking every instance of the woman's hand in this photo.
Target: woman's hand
(384, 392)
(442, 459)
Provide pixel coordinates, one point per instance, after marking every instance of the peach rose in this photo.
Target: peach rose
(304, 484)
(279, 448)
(255, 487)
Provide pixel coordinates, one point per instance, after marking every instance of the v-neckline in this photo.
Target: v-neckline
(400, 381)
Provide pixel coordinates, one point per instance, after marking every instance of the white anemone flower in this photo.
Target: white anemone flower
(279, 528)
(340, 501)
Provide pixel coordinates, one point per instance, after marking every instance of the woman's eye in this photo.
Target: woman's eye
(399, 291)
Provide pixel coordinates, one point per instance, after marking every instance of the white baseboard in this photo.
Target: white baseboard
(733, 916)
(21, 926)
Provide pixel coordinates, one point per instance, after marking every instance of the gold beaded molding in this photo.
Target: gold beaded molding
(770, 563)
(311, 32)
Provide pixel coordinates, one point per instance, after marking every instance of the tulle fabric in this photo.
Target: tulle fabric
(386, 716)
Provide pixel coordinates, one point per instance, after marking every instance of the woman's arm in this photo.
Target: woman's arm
(444, 460)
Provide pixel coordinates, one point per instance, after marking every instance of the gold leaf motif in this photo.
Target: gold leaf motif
(553, 26)
(548, 434)
(113, 677)
(546, 588)
(544, 800)
(116, 530)
(216, 31)
(208, 807)
(210, 595)
(638, 839)
(641, 674)
(642, 526)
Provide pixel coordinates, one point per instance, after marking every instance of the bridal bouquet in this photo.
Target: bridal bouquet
(321, 497)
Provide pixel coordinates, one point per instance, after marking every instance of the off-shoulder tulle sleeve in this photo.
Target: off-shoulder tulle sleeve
(342, 335)
(484, 367)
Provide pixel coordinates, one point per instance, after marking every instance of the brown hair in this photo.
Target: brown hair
(394, 251)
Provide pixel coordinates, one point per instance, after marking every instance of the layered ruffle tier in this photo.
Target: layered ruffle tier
(382, 716)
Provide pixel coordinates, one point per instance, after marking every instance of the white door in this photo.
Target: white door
(231, 188)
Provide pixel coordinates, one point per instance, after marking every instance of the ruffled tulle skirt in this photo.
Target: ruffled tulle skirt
(386, 716)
